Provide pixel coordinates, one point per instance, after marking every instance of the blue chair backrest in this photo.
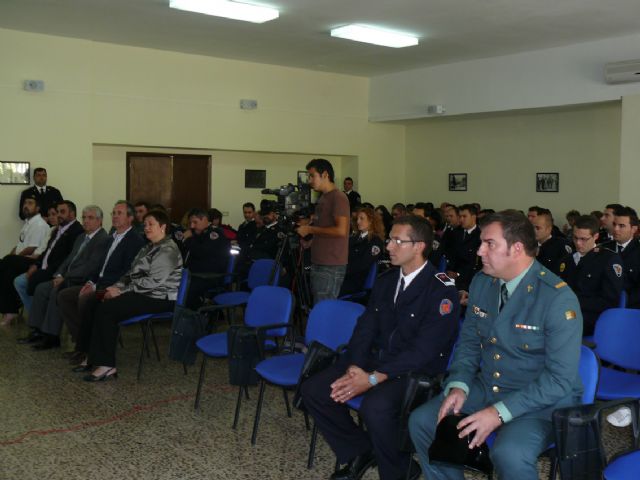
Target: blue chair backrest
(231, 266)
(616, 337)
(331, 322)
(371, 277)
(183, 288)
(442, 266)
(589, 369)
(260, 273)
(623, 300)
(269, 305)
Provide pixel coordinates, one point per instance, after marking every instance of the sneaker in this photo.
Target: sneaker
(620, 418)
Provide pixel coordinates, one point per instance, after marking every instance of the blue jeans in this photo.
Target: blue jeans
(326, 281)
(20, 284)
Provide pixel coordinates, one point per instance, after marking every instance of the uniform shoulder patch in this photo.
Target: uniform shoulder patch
(617, 268)
(568, 249)
(561, 284)
(436, 245)
(214, 235)
(375, 250)
(446, 307)
(444, 278)
(178, 234)
(570, 315)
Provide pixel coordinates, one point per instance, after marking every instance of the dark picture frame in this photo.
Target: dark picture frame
(15, 173)
(548, 182)
(255, 179)
(457, 182)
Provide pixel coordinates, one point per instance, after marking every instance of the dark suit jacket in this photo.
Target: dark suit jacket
(45, 200)
(464, 258)
(119, 261)
(631, 264)
(414, 334)
(62, 248)
(77, 269)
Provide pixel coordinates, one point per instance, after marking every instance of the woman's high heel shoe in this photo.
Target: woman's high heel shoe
(108, 375)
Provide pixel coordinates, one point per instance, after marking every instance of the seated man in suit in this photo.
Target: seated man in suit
(516, 360)
(78, 302)
(409, 325)
(551, 250)
(83, 261)
(462, 256)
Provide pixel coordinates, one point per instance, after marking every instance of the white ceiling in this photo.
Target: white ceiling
(449, 30)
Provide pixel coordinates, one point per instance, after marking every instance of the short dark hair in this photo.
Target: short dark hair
(142, 203)
(587, 222)
(130, 211)
(627, 212)
(421, 231)
(470, 207)
(39, 169)
(321, 165)
(399, 205)
(197, 212)
(32, 196)
(249, 205)
(214, 214)
(516, 227)
(455, 208)
(160, 215)
(613, 206)
(70, 205)
(348, 178)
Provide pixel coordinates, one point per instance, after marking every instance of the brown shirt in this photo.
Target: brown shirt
(327, 250)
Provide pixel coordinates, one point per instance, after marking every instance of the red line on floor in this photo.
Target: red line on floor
(136, 409)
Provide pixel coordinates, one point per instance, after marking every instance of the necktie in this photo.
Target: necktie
(619, 248)
(400, 290)
(504, 296)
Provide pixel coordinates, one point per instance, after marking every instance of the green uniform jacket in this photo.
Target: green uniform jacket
(526, 356)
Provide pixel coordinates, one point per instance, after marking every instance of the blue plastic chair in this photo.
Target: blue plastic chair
(331, 322)
(146, 320)
(623, 467)
(367, 287)
(260, 273)
(267, 307)
(442, 266)
(616, 338)
(624, 297)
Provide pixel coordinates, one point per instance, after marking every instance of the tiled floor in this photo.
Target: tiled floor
(55, 426)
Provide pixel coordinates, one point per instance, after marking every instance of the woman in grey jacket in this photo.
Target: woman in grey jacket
(151, 286)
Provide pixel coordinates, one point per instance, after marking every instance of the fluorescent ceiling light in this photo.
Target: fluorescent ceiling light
(227, 9)
(377, 36)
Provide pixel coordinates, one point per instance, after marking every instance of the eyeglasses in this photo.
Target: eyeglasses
(582, 239)
(399, 241)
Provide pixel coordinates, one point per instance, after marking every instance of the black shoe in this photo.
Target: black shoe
(82, 368)
(356, 468)
(108, 375)
(33, 337)
(48, 342)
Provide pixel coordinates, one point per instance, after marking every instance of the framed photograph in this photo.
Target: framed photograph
(15, 173)
(547, 182)
(255, 179)
(457, 182)
(303, 177)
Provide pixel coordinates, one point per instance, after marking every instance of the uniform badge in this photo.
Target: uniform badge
(529, 288)
(214, 236)
(178, 235)
(522, 326)
(375, 250)
(281, 235)
(562, 267)
(568, 249)
(444, 278)
(480, 312)
(436, 245)
(570, 315)
(446, 306)
(617, 268)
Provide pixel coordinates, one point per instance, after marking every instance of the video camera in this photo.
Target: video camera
(293, 200)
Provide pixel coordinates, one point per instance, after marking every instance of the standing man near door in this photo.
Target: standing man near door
(45, 195)
(330, 230)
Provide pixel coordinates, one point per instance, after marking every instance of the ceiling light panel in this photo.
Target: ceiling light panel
(376, 36)
(227, 9)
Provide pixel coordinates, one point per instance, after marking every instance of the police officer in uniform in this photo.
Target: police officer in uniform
(551, 250)
(409, 326)
(516, 360)
(248, 229)
(269, 235)
(595, 275)
(463, 258)
(46, 195)
(205, 251)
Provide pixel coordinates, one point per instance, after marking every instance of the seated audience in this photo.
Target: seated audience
(365, 247)
(398, 210)
(150, 286)
(572, 216)
(606, 222)
(215, 217)
(141, 209)
(595, 275)
(462, 255)
(386, 218)
(409, 325)
(248, 229)
(551, 250)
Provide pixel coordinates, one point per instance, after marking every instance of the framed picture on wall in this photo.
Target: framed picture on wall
(15, 173)
(547, 182)
(255, 179)
(457, 182)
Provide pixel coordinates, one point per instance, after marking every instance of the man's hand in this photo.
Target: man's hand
(86, 289)
(31, 271)
(482, 422)
(453, 403)
(304, 230)
(57, 281)
(351, 384)
(463, 296)
(112, 292)
(452, 274)
(187, 233)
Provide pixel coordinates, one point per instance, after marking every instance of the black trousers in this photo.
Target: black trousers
(380, 412)
(10, 267)
(104, 335)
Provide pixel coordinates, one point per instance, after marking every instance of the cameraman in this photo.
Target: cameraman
(330, 230)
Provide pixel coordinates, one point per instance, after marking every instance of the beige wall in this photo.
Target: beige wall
(501, 154)
(101, 94)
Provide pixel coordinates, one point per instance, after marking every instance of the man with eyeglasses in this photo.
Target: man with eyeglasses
(594, 274)
(410, 325)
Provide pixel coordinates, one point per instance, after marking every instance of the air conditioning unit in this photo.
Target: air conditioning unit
(622, 72)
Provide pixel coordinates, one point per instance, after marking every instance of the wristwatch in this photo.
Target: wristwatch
(373, 380)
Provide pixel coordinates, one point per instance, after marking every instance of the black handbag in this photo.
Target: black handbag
(187, 327)
(317, 358)
(244, 355)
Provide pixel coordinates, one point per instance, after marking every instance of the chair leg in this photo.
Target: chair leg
(286, 402)
(120, 339)
(184, 367)
(256, 420)
(196, 405)
(145, 347)
(238, 403)
(144, 340)
(153, 337)
(554, 467)
(246, 392)
(312, 447)
(306, 421)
